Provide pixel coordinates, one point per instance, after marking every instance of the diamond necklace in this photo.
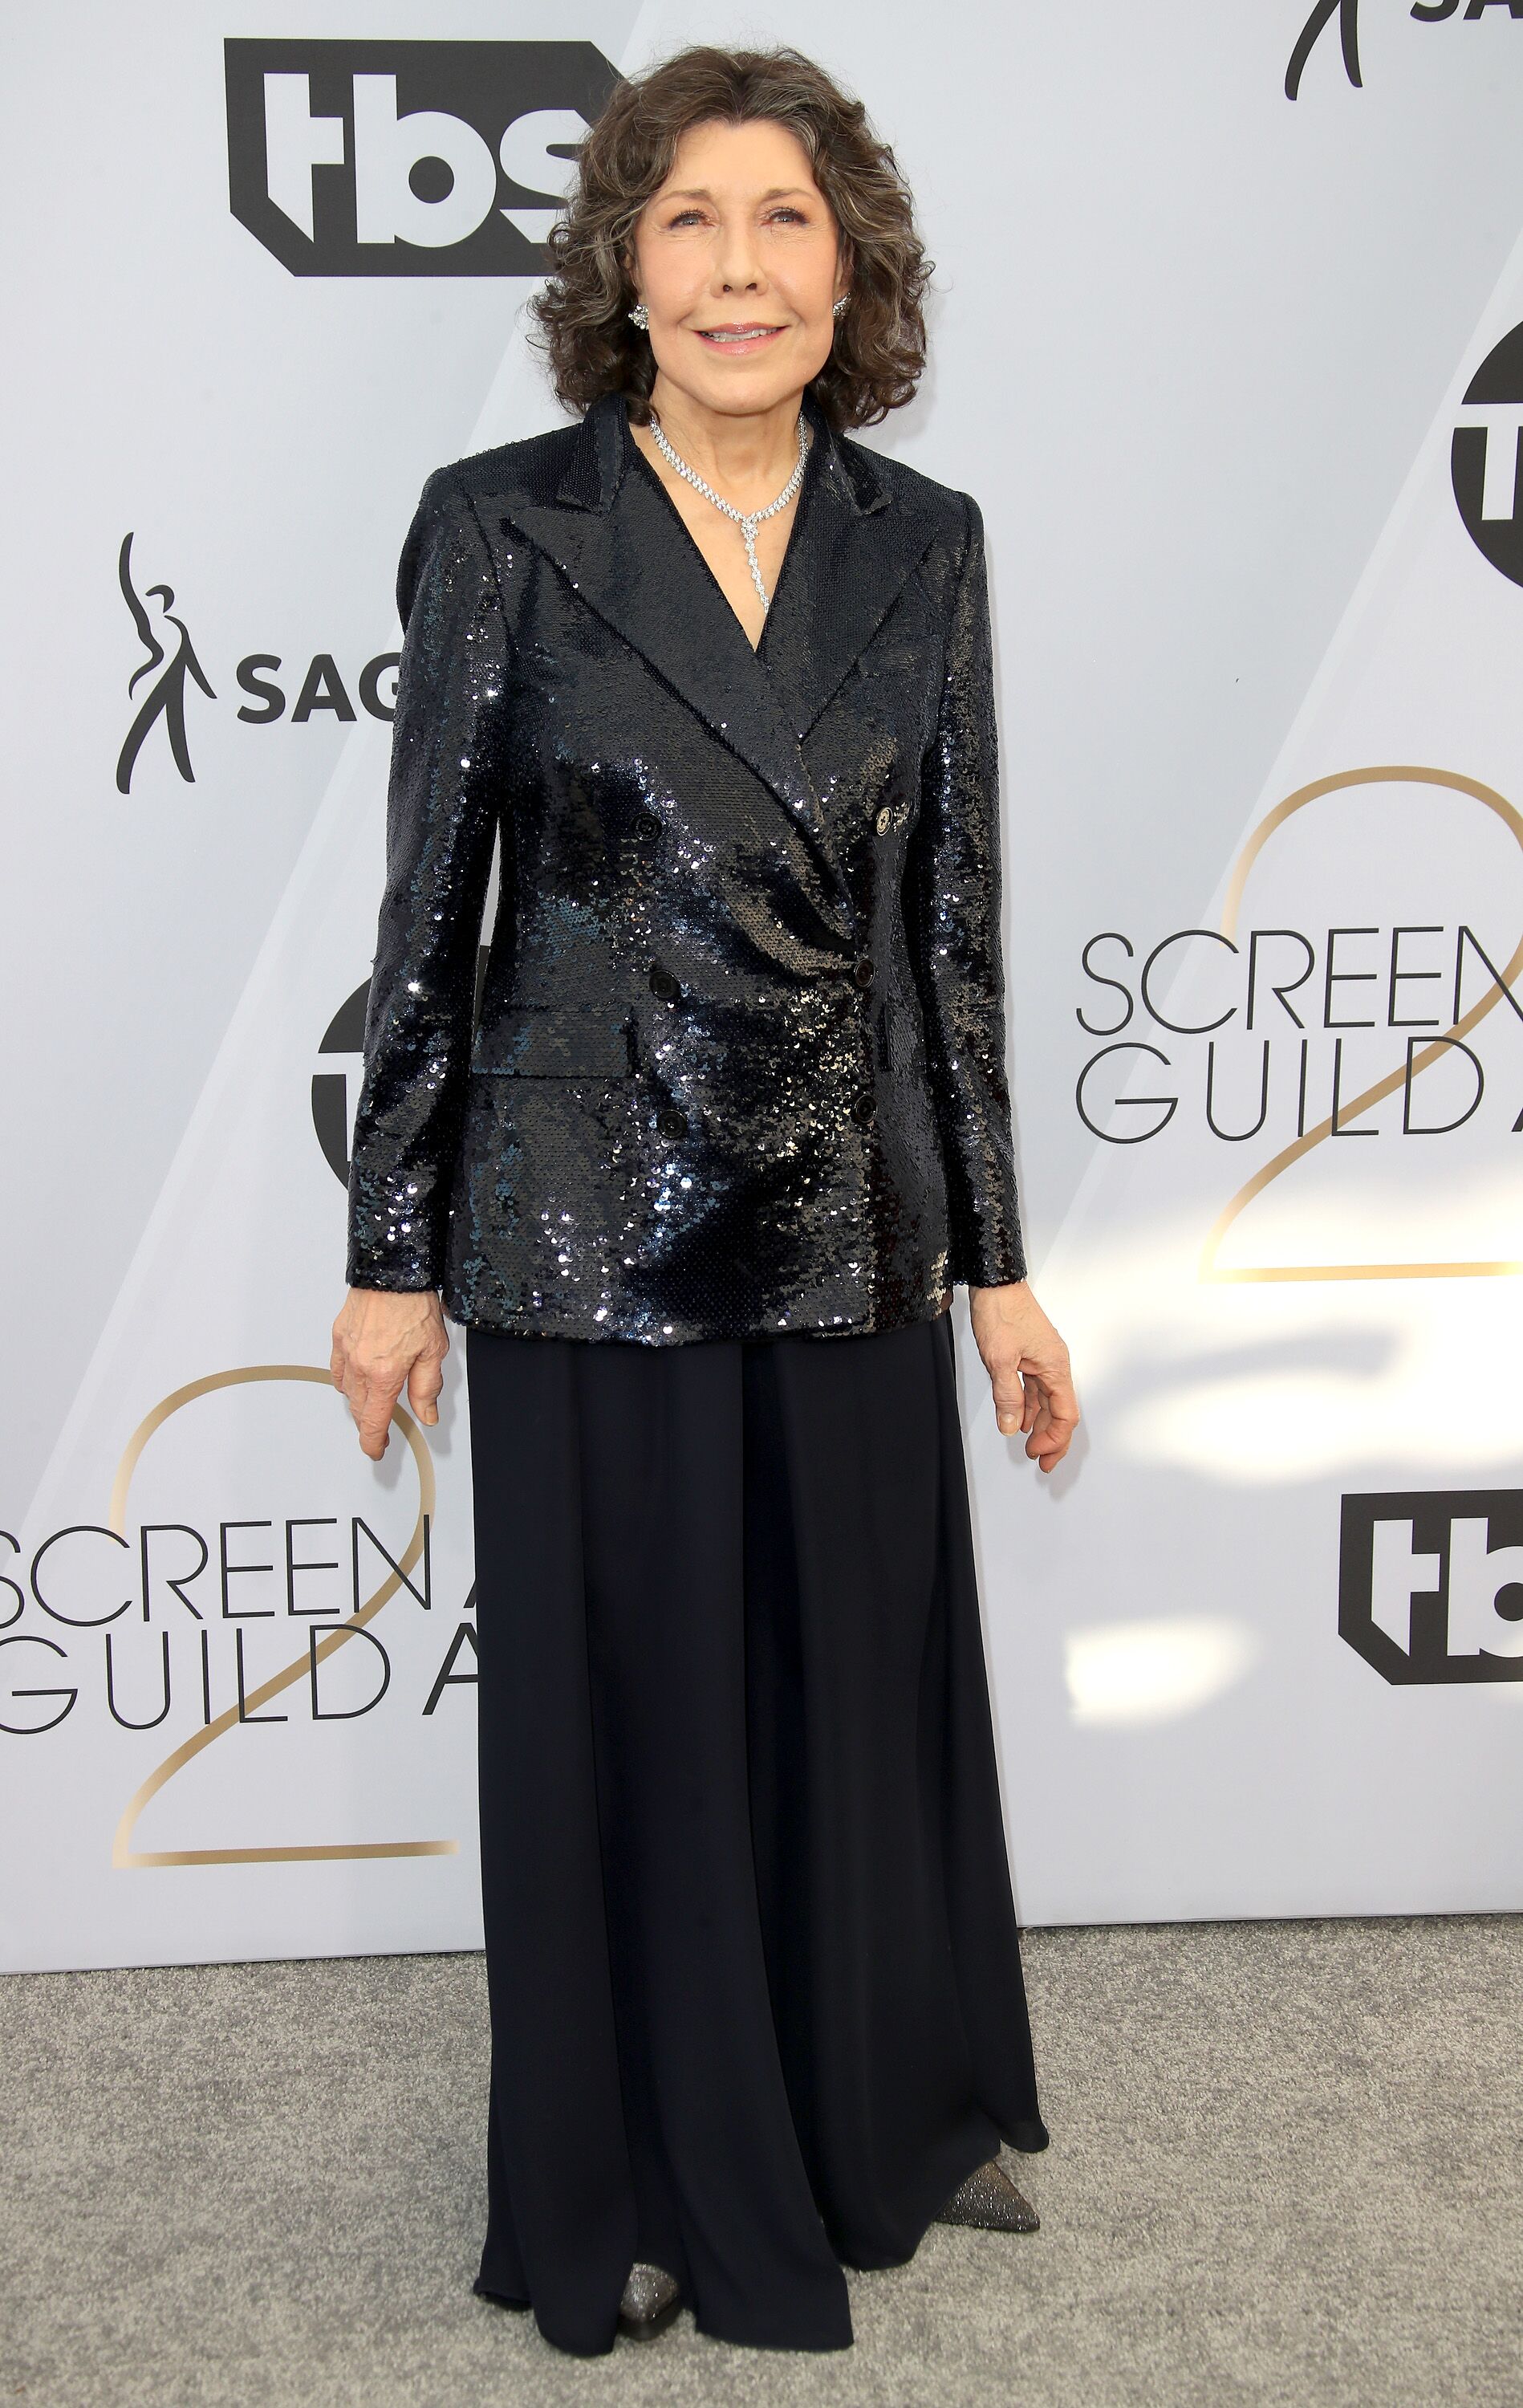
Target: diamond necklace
(747, 522)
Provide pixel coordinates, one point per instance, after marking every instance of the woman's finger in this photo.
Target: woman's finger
(1063, 1406)
(424, 1382)
(1009, 1397)
(1050, 1439)
(1018, 1342)
(374, 1419)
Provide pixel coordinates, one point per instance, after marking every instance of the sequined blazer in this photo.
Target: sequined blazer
(734, 1062)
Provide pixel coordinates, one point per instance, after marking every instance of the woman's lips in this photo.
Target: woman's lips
(736, 337)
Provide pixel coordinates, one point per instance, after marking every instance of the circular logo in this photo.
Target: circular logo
(1484, 459)
(340, 1073)
(332, 1105)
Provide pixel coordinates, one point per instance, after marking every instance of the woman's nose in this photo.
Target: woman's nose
(736, 268)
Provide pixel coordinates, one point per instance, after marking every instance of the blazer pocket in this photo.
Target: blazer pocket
(905, 664)
(554, 1041)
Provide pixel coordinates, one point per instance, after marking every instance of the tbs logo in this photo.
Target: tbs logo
(339, 1076)
(1483, 460)
(407, 158)
(1430, 1584)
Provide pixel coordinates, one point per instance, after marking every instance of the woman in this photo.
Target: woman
(732, 1121)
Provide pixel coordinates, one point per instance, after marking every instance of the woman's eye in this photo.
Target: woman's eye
(787, 215)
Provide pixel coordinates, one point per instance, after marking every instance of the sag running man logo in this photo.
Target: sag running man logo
(1424, 12)
(323, 690)
(166, 698)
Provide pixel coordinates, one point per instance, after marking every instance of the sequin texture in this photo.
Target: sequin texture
(739, 1064)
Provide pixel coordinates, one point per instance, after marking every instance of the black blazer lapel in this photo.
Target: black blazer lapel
(617, 539)
(852, 548)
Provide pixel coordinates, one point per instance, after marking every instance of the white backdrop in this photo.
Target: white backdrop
(1229, 374)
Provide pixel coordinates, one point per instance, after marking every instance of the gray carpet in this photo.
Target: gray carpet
(1286, 2167)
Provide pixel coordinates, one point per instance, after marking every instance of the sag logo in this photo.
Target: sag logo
(1426, 12)
(1482, 461)
(169, 668)
(1430, 1584)
(322, 692)
(407, 158)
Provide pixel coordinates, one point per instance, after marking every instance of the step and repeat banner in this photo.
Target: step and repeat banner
(1228, 329)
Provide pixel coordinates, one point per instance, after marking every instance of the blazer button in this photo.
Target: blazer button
(861, 972)
(861, 1110)
(663, 983)
(883, 821)
(672, 1123)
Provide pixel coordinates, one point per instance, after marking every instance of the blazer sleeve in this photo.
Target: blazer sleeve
(448, 746)
(953, 880)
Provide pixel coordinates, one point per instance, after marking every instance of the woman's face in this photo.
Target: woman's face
(739, 261)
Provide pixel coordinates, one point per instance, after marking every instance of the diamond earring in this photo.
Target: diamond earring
(839, 309)
(640, 316)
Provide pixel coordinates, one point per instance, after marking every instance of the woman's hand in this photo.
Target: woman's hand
(1027, 1363)
(383, 1342)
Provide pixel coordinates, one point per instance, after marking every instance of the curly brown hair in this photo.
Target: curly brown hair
(879, 351)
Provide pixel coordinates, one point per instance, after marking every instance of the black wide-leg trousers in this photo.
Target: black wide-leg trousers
(752, 1962)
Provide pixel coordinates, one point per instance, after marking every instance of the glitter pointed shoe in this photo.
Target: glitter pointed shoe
(990, 2199)
(650, 2299)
